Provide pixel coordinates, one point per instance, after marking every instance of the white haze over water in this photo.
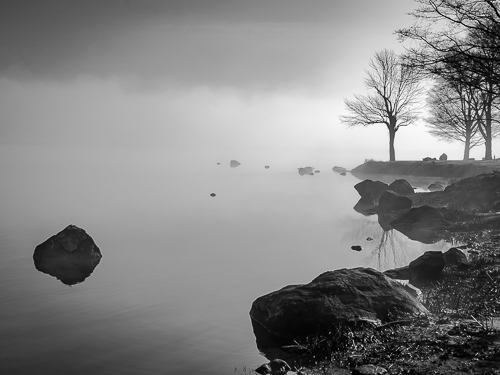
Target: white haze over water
(113, 117)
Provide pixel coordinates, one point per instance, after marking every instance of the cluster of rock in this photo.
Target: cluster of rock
(443, 157)
(351, 297)
(472, 203)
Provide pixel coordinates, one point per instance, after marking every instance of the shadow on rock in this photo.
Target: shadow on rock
(70, 255)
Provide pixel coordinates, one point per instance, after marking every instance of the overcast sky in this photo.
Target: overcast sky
(225, 77)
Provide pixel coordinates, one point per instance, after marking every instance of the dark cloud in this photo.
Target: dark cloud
(258, 43)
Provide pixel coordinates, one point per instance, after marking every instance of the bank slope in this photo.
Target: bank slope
(445, 169)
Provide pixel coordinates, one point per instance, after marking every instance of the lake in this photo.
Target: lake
(180, 268)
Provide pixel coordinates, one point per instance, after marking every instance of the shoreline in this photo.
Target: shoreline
(446, 169)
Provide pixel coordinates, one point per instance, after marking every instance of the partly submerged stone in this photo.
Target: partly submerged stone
(375, 188)
(350, 296)
(234, 163)
(70, 255)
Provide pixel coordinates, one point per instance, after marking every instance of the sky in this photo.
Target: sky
(212, 79)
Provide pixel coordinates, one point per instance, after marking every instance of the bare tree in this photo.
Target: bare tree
(454, 112)
(394, 98)
(457, 40)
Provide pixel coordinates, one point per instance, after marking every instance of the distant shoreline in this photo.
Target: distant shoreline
(445, 169)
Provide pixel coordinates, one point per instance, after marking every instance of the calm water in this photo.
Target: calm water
(180, 269)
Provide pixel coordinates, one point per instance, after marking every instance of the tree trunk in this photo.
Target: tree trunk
(487, 130)
(392, 135)
(467, 149)
(487, 143)
(467, 143)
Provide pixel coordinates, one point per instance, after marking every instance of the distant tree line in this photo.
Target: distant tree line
(454, 45)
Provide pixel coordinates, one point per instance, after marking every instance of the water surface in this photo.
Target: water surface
(180, 268)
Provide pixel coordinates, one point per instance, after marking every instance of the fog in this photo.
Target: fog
(260, 82)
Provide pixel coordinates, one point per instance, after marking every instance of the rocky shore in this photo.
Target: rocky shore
(439, 314)
(445, 169)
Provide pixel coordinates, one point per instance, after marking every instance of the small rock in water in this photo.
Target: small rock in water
(343, 174)
(213, 195)
(267, 167)
(356, 247)
(369, 239)
(234, 163)
(306, 170)
(218, 163)
(316, 171)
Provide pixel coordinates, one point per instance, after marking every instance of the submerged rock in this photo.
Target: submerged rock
(70, 255)
(213, 194)
(356, 248)
(351, 296)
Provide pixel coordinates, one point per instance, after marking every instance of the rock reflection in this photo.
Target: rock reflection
(385, 249)
(70, 255)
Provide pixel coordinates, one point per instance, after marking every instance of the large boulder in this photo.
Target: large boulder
(375, 188)
(401, 186)
(427, 268)
(347, 296)
(70, 255)
(392, 201)
(443, 157)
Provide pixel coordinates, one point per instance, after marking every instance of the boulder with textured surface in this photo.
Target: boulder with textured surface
(347, 295)
(70, 255)
(427, 268)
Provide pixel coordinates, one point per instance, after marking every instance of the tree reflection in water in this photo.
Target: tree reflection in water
(384, 249)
